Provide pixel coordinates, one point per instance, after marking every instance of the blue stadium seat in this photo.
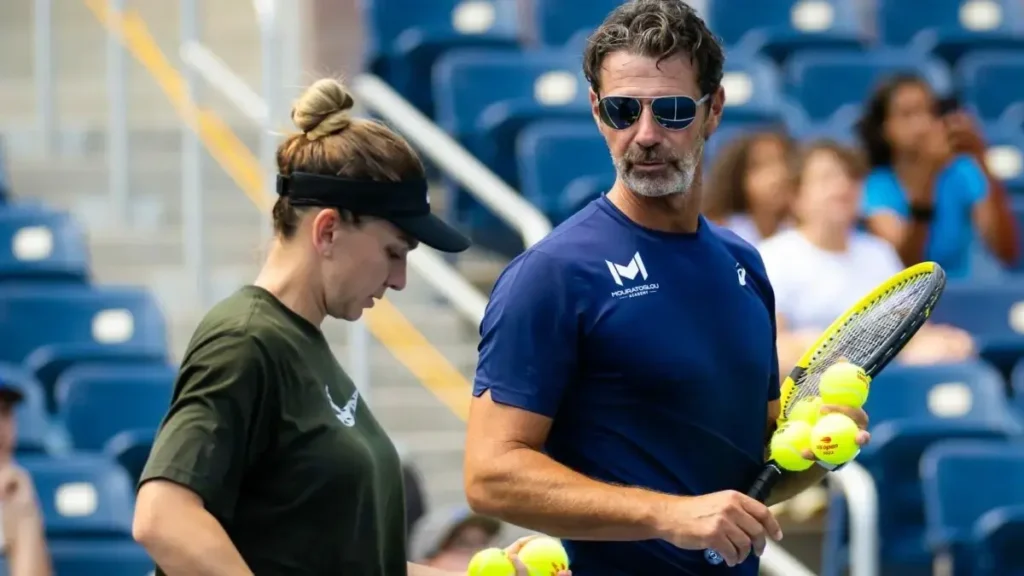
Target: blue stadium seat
(974, 505)
(82, 496)
(949, 28)
(484, 98)
(553, 155)
(824, 83)
(48, 362)
(992, 312)
(912, 408)
(558, 23)
(103, 558)
(130, 449)
(992, 86)
(39, 244)
(753, 90)
(33, 424)
(35, 316)
(97, 402)
(781, 27)
(1005, 156)
(406, 37)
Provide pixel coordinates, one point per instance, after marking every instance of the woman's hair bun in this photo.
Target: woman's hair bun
(323, 109)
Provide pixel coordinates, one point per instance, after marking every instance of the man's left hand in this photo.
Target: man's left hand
(858, 415)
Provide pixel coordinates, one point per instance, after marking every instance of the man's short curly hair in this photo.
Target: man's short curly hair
(658, 29)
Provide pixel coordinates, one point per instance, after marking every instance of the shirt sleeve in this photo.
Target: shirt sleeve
(774, 384)
(972, 182)
(881, 194)
(529, 335)
(214, 425)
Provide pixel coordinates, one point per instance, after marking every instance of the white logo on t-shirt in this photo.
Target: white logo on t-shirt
(741, 273)
(630, 271)
(346, 415)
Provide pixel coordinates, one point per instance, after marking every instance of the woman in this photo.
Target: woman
(929, 193)
(751, 186)
(268, 461)
(824, 265)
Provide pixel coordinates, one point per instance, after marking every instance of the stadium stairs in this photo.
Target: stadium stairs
(149, 252)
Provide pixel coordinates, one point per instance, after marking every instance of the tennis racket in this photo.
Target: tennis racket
(869, 334)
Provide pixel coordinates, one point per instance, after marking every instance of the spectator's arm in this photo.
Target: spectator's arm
(27, 553)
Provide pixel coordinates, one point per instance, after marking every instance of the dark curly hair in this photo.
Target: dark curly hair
(726, 192)
(657, 29)
(871, 125)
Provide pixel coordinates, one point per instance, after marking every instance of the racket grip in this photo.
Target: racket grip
(759, 491)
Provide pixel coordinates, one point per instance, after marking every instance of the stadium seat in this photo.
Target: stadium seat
(97, 402)
(949, 28)
(781, 27)
(130, 449)
(553, 155)
(992, 86)
(82, 496)
(558, 23)
(39, 244)
(974, 505)
(913, 408)
(35, 316)
(103, 558)
(992, 312)
(824, 83)
(484, 98)
(1004, 158)
(49, 362)
(753, 90)
(406, 37)
(32, 422)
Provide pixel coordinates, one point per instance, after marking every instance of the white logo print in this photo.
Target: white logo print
(741, 273)
(630, 272)
(346, 415)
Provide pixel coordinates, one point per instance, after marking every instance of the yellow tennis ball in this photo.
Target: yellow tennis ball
(834, 438)
(491, 562)
(844, 384)
(787, 446)
(544, 557)
(806, 410)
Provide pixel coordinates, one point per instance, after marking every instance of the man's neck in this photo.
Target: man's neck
(675, 213)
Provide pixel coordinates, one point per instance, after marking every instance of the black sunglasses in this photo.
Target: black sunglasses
(671, 112)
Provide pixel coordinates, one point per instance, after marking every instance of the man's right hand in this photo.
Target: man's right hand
(728, 522)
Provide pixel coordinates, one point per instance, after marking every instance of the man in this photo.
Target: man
(448, 538)
(628, 378)
(22, 538)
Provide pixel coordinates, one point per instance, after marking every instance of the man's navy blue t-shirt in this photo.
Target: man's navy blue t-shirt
(653, 353)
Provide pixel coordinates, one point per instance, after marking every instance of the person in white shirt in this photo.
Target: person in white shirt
(824, 264)
(750, 186)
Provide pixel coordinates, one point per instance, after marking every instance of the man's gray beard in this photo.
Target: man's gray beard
(676, 180)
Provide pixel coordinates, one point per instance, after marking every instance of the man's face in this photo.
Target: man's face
(650, 159)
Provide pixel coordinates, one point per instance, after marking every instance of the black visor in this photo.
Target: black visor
(404, 204)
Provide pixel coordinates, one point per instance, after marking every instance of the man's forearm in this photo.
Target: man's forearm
(792, 484)
(529, 489)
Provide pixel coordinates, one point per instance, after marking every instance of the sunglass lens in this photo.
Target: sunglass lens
(674, 112)
(620, 112)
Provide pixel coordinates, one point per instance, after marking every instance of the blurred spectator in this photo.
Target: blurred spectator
(929, 193)
(22, 539)
(824, 265)
(750, 187)
(448, 538)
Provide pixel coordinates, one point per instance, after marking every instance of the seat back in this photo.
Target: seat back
(990, 308)
(39, 244)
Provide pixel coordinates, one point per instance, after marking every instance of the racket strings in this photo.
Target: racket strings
(864, 332)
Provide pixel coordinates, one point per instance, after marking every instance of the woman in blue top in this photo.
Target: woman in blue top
(929, 193)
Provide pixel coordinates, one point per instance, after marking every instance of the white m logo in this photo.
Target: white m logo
(636, 265)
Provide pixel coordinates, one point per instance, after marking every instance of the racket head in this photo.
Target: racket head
(870, 333)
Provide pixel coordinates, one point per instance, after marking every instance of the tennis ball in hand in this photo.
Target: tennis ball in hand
(844, 384)
(491, 562)
(544, 557)
(834, 439)
(787, 446)
(806, 410)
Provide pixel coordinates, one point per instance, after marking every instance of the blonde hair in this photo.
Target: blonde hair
(331, 142)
